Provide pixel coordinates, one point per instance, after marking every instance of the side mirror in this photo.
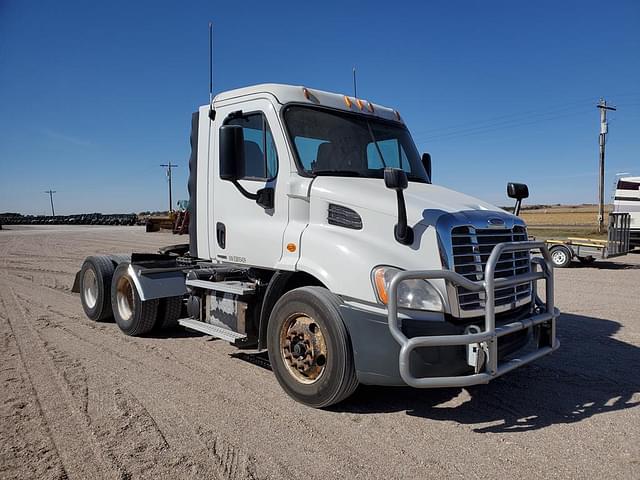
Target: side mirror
(517, 191)
(426, 162)
(396, 179)
(231, 151)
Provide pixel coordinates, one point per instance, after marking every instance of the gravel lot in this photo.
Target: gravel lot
(81, 400)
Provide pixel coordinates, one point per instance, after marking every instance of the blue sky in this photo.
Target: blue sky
(95, 95)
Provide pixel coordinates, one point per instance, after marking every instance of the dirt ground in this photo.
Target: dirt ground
(81, 400)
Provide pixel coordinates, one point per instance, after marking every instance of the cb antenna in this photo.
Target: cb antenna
(212, 114)
(355, 87)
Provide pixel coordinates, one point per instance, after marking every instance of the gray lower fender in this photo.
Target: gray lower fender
(376, 353)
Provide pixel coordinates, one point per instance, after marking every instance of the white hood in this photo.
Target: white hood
(372, 194)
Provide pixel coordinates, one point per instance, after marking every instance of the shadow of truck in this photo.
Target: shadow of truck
(591, 373)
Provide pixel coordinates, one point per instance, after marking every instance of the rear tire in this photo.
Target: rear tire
(310, 349)
(560, 256)
(95, 287)
(134, 316)
(169, 311)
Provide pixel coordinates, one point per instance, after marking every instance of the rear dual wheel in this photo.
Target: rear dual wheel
(133, 315)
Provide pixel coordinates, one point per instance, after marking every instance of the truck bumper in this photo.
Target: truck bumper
(390, 349)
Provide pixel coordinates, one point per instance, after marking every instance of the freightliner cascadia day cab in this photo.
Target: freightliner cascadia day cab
(317, 234)
(627, 200)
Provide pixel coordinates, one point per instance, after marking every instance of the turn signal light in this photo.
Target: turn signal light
(291, 247)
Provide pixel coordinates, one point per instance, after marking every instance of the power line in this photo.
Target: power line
(51, 192)
(501, 126)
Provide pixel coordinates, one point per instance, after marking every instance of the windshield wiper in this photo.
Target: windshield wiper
(337, 171)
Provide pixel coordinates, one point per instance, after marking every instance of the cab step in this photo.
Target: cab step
(231, 286)
(213, 330)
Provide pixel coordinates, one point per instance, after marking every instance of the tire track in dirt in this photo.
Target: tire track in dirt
(76, 446)
(236, 464)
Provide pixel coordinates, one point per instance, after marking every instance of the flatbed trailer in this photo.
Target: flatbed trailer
(588, 250)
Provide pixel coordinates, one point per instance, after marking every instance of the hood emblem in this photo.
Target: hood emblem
(495, 223)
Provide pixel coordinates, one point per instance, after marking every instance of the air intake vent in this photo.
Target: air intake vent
(344, 217)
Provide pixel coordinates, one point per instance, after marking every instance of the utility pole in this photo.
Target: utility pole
(169, 166)
(51, 192)
(604, 130)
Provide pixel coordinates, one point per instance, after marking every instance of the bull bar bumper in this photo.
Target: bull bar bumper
(542, 269)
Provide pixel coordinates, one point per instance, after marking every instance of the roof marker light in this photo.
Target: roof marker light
(360, 104)
(306, 93)
(370, 106)
(397, 115)
(347, 101)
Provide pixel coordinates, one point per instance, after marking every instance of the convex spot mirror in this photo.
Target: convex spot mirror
(395, 179)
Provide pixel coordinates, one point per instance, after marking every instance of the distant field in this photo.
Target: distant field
(583, 215)
(564, 221)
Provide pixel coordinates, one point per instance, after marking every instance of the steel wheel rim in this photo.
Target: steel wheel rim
(303, 348)
(90, 287)
(559, 257)
(124, 298)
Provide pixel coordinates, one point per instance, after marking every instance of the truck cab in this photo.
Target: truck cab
(317, 234)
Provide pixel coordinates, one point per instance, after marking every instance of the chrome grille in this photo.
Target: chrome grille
(471, 250)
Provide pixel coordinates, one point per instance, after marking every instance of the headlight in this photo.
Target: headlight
(414, 294)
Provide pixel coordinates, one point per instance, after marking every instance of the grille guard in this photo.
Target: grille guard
(490, 335)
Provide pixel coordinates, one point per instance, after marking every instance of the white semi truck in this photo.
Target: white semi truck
(318, 235)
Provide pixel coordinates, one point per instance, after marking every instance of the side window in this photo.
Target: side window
(392, 152)
(260, 155)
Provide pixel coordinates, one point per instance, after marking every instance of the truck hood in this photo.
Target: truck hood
(425, 202)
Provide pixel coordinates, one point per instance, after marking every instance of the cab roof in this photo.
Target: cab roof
(300, 94)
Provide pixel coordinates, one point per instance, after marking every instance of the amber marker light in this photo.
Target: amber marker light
(291, 247)
(347, 101)
(360, 104)
(381, 286)
(306, 93)
(370, 106)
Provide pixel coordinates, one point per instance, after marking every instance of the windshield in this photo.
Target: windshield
(331, 142)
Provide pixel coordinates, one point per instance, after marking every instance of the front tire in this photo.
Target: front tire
(134, 316)
(309, 347)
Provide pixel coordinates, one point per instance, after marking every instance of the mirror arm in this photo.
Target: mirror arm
(244, 192)
(516, 209)
(402, 231)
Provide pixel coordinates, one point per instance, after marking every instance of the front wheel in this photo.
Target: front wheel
(309, 347)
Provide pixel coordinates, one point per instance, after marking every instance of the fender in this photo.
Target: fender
(152, 284)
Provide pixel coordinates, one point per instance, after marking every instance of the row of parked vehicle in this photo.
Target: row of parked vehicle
(85, 219)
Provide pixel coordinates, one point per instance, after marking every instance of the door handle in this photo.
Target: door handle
(221, 234)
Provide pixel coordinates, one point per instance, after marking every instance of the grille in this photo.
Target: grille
(471, 250)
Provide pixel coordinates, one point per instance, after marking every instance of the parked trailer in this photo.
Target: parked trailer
(588, 250)
(317, 235)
